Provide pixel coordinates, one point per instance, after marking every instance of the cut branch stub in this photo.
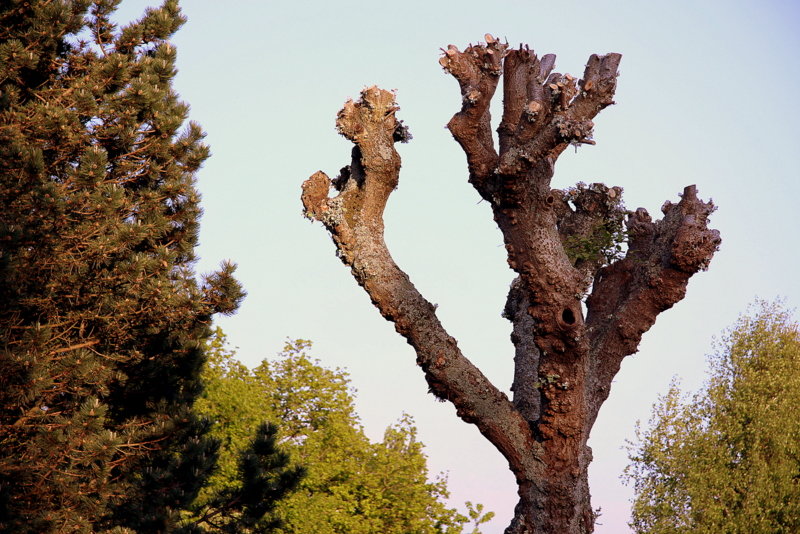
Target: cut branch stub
(524, 96)
(597, 86)
(371, 124)
(694, 243)
(315, 195)
(477, 70)
(373, 173)
(544, 112)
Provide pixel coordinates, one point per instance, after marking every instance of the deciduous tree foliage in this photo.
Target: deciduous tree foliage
(352, 485)
(102, 320)
(561, 245)
(727, 459)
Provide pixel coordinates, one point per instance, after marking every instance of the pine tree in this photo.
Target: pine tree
(264, 477)
(102, 320)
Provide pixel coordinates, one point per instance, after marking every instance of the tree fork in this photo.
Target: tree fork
(564, 362)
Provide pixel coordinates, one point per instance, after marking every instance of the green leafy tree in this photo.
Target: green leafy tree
(253, 473)
(477, 516)
(352, 485)
(727, 459)
(102, 323)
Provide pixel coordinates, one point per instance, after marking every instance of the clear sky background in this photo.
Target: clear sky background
(707, 95)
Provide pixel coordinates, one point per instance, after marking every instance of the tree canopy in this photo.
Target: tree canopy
(352, 485)
(727, 458)
(103, 320)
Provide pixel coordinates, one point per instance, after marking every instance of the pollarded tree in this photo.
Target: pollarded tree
(561, 244)
(727, 459)
(102, 321)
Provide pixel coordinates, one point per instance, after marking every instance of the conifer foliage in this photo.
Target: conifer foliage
(102, 321)
(264, 477)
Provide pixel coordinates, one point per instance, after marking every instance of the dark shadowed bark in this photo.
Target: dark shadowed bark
(560, 244)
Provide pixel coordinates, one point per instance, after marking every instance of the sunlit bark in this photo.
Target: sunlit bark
(564, 362)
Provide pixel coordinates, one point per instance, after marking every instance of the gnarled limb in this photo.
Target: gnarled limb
(354, 219)
(562, 244)
(629, 294)
(477, 70)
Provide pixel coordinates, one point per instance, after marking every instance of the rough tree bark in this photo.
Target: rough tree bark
(558, 243)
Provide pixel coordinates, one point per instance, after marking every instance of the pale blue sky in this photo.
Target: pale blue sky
(706, 96)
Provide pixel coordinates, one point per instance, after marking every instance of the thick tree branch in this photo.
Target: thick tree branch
(543, 113)
(629, 294)
(354, 219)
(477, 70)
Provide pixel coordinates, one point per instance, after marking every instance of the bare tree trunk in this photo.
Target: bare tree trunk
(561, 245)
